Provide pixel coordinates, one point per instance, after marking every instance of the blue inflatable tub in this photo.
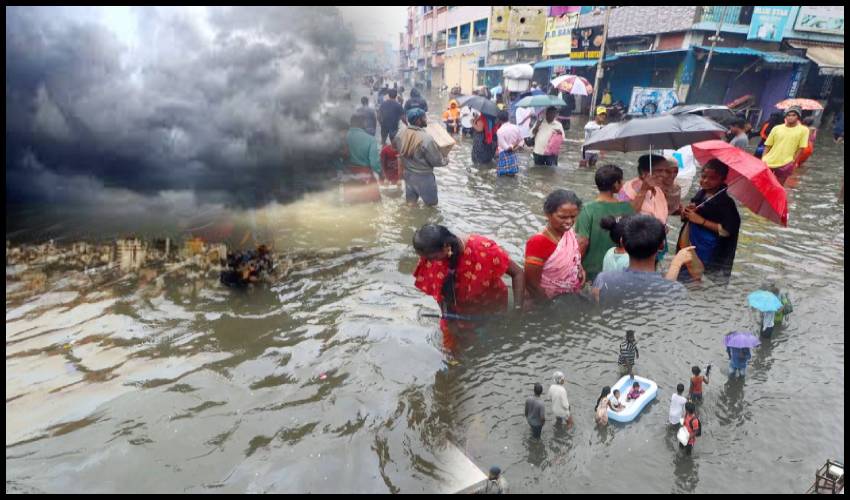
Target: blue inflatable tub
(633, 408)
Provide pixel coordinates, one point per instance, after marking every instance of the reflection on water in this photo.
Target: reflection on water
(332, 380)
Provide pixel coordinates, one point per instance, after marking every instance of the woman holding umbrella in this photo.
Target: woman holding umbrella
(484, 142)
(711, 223)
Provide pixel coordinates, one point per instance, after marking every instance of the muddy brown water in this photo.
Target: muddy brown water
(332, 381)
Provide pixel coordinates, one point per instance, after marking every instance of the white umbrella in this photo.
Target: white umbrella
(572, 84)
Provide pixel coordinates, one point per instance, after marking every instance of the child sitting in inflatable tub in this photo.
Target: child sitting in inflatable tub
(614, 401)
(635, 392)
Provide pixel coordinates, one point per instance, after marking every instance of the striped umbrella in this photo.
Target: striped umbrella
(573, 84)
(804, 104)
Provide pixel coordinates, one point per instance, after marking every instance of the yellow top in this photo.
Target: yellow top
(784, 141)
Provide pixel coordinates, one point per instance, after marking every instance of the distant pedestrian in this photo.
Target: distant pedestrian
(591, 156)
(466, 117)
(739, 135)
(510, 141)
(785, 144)
(767, 126)
(601, 407)
(693, 425)
(739, 358)
(560, 403)
(389, 115)
(495, 485)
(628, 354)
(677, 406)
(535, 412)
(416, 101)
(697, 380)
(809, 123)
(370, 116)
(484, 140)
(838, 128)
(548, 136)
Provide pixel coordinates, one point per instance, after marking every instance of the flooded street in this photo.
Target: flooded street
(333, 381)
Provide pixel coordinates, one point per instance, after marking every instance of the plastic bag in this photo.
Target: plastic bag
(683, 436)
(553, 147)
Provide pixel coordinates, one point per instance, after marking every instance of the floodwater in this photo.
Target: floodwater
(332, 381)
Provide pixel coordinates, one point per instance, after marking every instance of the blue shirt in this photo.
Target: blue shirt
(629, 285)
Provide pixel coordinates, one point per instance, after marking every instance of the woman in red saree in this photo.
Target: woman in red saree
(464, 275)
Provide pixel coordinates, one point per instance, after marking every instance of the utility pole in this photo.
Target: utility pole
(599, 64)
(713, 43)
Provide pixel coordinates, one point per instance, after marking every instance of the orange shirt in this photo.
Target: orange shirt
(696, 384)
(451, 114)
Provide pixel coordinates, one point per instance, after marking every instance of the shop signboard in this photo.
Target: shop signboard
(768, 23)
(586, 43)
(822, 19)
(558, 39)
(558, 35)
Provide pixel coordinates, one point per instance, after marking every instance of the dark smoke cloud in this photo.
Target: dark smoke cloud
(238, 108)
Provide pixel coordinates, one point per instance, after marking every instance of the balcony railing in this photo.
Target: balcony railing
(441, 45)
(713, 13)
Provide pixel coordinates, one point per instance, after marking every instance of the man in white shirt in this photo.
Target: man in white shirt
(542, 134)
(590, 156)
(466, 117)
(560, 403)
(677, 406)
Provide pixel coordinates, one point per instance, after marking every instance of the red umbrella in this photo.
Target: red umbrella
(750, 181)
(805, 104)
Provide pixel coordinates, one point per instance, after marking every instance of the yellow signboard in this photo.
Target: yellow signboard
(558, 35)
(528, 24)
(499, 23)
(518, 23)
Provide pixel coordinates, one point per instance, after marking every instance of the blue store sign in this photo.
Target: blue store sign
(768, 23)
(796, 78)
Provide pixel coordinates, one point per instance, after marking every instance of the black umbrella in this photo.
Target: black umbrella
(482, 104)
(660, 132)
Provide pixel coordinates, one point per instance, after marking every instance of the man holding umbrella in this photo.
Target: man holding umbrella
(785, 144)
(738, 345)
(542, 133)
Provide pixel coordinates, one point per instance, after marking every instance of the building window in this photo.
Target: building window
(441, 40)
(480, 30)
(465, 31)
(453, 37)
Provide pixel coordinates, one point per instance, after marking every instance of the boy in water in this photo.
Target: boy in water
(695, 391)
(628, 354)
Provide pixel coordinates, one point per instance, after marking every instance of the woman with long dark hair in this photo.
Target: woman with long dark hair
(464, 274)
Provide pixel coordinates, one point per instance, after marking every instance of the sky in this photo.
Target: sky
(381, 21)
(152, 107)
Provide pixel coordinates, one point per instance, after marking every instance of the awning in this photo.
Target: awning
(566, 62)
(769, 57)
(492, 68)
(829, 58)
(614, 57)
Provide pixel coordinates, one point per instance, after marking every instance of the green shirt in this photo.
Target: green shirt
(600, 240)
(363, 149)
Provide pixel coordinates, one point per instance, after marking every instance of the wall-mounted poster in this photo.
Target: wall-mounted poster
(650, 101)
(825, 19)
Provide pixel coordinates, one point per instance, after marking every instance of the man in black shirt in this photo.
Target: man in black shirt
(389, 115)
